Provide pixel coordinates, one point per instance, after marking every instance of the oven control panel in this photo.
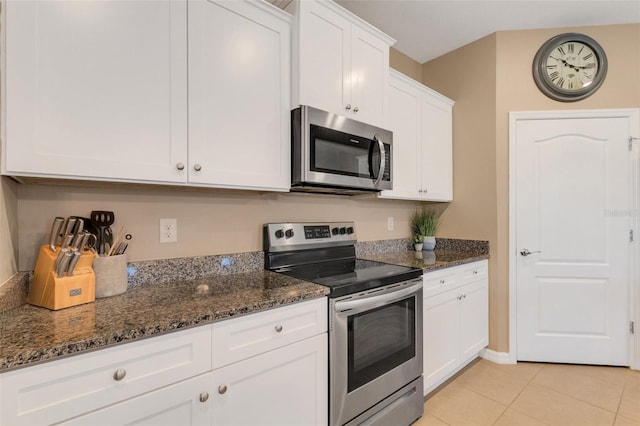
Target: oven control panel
(300, 236)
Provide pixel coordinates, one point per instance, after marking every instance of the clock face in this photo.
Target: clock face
(569, 67)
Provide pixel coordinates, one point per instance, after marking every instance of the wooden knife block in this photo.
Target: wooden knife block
(53, 292)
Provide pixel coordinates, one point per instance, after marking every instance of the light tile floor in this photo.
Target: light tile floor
(532, 394)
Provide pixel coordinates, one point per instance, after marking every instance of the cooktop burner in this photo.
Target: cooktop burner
(324, 253)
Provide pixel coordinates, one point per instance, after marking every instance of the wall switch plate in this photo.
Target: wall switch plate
(390, 223)
(169, 230)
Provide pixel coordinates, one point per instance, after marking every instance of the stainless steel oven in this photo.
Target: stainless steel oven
(332, 153)
(376, 347)
(375, 321)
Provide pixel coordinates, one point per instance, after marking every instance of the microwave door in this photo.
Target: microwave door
(376, 160)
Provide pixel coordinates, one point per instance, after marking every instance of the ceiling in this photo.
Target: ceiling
(426, 29)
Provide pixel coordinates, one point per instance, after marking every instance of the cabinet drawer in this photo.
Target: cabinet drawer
(474, 271)
(245, 337)
(440, 281)
(59, 390)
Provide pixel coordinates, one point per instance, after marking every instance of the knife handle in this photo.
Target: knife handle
(73, 262)
(64, 264)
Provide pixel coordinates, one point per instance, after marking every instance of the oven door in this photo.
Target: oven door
(375, 347)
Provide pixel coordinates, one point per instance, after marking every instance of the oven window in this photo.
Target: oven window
(380, 340)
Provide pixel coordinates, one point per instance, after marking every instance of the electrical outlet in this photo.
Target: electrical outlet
(390, 223)
(169, 230)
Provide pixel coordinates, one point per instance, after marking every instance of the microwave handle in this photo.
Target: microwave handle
(382, 161)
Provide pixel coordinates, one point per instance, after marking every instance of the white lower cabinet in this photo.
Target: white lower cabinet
(455, 320)
(183, 404)
(180, 378)
(287, 386)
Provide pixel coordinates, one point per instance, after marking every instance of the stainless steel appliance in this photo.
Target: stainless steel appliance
(375, 321)
(335, 154)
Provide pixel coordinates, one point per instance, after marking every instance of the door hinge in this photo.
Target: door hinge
(631, 327)
(631, 139)
(630, 235)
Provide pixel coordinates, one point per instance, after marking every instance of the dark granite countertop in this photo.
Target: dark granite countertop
(428, 260)
(31, 334)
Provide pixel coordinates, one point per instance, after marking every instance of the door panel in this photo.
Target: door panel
(571, 176)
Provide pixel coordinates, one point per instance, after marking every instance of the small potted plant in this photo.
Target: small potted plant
(417, 242)
(425, 223)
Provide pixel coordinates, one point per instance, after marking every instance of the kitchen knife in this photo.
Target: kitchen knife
(73, 262)
(68, 229)
(55, 230)
(63, 250)
(64, 264)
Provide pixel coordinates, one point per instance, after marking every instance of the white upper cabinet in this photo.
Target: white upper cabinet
(341, 63)
(421, 121)
(163, 91)
(239, 91)
(95, 90)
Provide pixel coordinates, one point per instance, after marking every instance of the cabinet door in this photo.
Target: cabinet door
(474, 318)
(324, 58)
(369, 77)
(404, 122)
(437, 154)
(441, 345)
(96, 90)
(179, 404)
(286, 386)
(239, 77)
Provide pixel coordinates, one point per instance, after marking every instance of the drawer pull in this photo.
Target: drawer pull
(475, 272)
(222, 389)
(204, 396)
(119, 374)
(278, 328)
(442, 281)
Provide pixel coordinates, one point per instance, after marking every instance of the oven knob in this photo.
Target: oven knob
(279, 233)
(335, 231)
(343, 231)
(289, 233)
(350, 230)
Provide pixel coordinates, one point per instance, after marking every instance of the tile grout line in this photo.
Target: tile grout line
(543, 366)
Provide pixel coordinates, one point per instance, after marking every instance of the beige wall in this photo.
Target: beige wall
(407, 66)
(515, 90)
(8, 228)
(209, 221)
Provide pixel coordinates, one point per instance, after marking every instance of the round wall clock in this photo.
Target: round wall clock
(569, 67)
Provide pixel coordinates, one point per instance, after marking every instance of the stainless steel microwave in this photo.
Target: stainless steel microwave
(335, 154)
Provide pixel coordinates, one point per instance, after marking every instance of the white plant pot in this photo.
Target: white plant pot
(429, 243)
(417, 246)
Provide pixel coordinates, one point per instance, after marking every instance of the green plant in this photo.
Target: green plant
(425, 222)
(417, 239)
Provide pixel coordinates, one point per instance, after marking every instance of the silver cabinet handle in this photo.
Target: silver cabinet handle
(119, 374)
(197, 167)
(356, 109)
(348, 107)
(526, 252)
(475, 272)
(204, 396)
(222, 389)
(278, 328)
(180, 166)
(442, 281)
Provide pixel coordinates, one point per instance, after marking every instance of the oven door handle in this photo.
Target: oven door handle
(349, 307)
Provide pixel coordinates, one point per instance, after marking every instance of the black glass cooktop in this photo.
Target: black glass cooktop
(353, 275)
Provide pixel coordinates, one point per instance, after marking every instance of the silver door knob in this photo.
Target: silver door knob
(348, 107)
(222, 389)
(197, 167)
(526, 252)
(278, 328)
(180, 166)
(204, 396)
(356, 109)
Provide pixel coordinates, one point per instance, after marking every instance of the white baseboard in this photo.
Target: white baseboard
(497, 357)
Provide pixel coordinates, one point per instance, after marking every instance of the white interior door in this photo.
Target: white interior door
(572, 178)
